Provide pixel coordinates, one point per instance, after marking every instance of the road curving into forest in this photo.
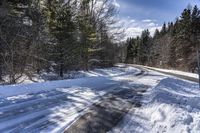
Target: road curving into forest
(45, 111)
(103, 116)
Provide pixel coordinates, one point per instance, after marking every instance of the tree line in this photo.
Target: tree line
(55, 36)
(175, 46)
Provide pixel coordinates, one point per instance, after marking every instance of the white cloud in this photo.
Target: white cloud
(133, 31)
(152, 24)
(136, 31)
(134, 28)
(132, 20)
(147, 20)
(152, 29)
(127, 22)
(115, 3)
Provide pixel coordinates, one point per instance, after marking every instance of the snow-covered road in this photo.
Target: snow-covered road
(53, 106)
(168, 105)
(109, 111)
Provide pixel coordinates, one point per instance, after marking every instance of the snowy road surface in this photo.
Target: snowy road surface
(106, 100)
(110, 110)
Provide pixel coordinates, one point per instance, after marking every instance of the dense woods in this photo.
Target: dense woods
(174, 46)
(55, 36)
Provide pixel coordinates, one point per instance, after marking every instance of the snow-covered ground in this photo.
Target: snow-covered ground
(170, 105)
(193, 75)
(93, 78)
(53, 106)
(51, 76)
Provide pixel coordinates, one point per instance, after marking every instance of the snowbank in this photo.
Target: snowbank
(193, 75)
(11, 90)
(91, 79)
(171, 106)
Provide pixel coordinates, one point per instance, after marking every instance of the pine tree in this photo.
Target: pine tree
(62, 27)
(131, 50)
(87, 30)
(144, 47)
(14, 38)
(184, 36)
(156, 34)
(195, 24)
(164, 29)
(195, 34)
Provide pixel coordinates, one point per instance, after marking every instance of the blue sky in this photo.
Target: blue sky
(137, 15)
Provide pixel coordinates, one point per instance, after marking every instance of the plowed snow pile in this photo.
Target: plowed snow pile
(172, 106)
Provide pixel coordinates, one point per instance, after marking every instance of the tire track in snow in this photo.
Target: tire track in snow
(34, 114)
(102, 117)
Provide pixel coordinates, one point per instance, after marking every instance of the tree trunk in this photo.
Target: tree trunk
(86, 64)
(61, 70)
(1, 78)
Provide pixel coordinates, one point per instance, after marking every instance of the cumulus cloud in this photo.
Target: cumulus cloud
(115, 3)
(136, 31)
(152, 24)
(147, 20)
(133, 31)
(134, 28)
(132, 20)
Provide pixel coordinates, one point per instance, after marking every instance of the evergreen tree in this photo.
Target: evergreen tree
(175, 45)
(164, 29)
(144, 47)
(156, 34)
(132, 50)
(62, 27)
(88, 31)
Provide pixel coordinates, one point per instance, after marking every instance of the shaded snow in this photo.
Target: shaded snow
(90, 79)
(188, 74)
(171, 105)
(53, 106)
